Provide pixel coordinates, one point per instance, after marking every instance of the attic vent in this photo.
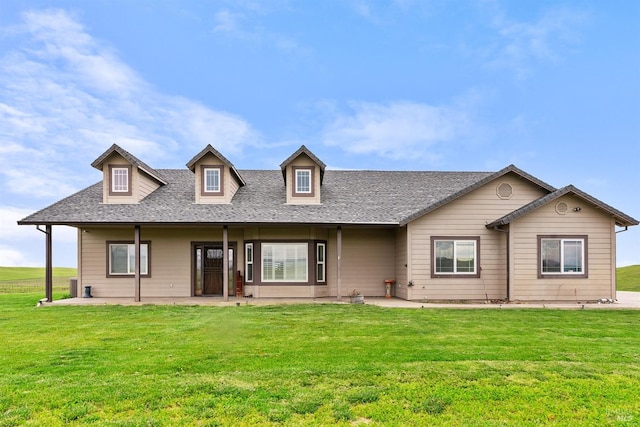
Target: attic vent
(504, 190)
(562, 208)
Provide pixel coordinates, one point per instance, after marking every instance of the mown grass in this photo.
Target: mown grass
(315, 365)
(628, 278)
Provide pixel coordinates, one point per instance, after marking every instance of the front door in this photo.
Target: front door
(208, 269)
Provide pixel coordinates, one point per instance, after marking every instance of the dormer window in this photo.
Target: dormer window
(212, 180)
(120, 180)
(303, 181)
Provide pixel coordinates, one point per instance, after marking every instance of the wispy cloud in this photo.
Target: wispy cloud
(397, 130)
(62, 88)
(519, 45)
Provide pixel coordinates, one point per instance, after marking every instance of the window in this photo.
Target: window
(303, 181)
(120, 178)
(285, 262)
(212, 180)
(562, 255)
(321, 268)
(455, 256)
(248, 260)
(122, 259)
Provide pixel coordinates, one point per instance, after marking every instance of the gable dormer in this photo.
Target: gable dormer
(303, 173)
(217, 180)
(125, 178)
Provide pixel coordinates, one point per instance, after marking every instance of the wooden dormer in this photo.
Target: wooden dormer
(303, 173)
(126, 179)
(217, 180)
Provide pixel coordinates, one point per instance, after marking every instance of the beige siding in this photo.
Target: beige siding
(146, 185)
(400, 288)
(230, 184)
(170, 260)
(467, 216)
(368, 259)
(302, 161)
(589, 221)
(141, 184)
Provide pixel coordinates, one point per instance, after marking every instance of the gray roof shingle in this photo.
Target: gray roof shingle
(348, 197)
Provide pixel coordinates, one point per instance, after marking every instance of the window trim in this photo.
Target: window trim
(294, 190)
(322, 262)
(564, 275)
(311, 262)
(278, 282)
(249, 262)
(109, 274)
(203, 180)
(465, 275)
(112, 169)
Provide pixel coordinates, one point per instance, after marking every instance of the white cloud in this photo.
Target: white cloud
(519, 45)
(66, 97)
(13, 258)
(398, 130)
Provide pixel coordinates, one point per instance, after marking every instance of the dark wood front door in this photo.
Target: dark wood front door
(212, 270)
(208, 269)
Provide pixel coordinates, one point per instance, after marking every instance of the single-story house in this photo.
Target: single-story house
(306, 231)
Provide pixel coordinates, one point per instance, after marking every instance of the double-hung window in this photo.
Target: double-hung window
(321, 262)
(562, 255)
(122, 259)
(120, 177)
(455, 256)
(303, 181)
(211, 180)
(248, 261)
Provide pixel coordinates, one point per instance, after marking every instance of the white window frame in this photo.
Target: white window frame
(457, 243)
(298, 174)
(564, 270)
(248, 262)
(118, 175)
(301, 250)
(131, 248)
(205, 180)
(321, 262)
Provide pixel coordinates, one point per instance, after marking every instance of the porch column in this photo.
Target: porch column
(48, 275)
(136, 241)
(339, 244)
(225, 263)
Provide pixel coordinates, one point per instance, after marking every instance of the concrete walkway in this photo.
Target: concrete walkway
(625, 300)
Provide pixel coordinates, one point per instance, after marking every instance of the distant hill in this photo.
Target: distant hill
(629, 278)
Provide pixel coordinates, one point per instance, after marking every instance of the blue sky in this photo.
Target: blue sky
(550, 86)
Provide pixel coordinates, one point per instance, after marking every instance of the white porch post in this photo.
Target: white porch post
(225, 263)
(339, 244)
(136, 242)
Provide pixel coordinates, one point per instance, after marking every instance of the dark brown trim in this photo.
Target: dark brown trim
(312, 181)
(129, 180)
(585, 261)
(128, 242)
(203, 192)
(435, 275)
(231, 245)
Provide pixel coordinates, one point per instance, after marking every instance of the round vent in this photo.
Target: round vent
(504, 190)
(562, 208)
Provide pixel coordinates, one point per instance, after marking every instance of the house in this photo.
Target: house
(306, 231)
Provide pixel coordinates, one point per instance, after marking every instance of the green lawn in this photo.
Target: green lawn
(628, 278)
(31, 279)
(315, 365)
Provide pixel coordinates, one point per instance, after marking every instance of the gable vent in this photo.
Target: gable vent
(562, 208)
(504, 190)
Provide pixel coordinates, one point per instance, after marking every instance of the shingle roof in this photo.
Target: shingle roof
(621, 219)
(97, 163)
(348, 197)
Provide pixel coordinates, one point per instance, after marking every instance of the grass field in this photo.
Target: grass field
(628, 278)
(315, 365)
(31, 279)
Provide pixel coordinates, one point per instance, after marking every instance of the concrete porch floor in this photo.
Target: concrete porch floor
(625, 300)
